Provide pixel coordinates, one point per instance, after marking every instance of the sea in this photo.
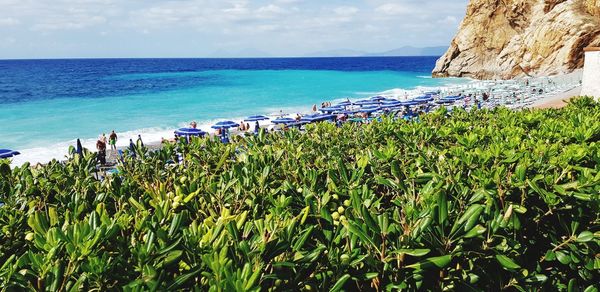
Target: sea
(45, 105)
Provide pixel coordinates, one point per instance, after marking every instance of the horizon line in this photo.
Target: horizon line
(191, 58)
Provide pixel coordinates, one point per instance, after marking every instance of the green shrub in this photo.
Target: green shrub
(483, 200)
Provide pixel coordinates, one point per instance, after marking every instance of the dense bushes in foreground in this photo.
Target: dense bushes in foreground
(488, 200)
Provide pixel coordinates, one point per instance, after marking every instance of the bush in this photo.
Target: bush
(483, 200)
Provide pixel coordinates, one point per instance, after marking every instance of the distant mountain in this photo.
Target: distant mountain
(403, 51)
(413, 51)
(337, 53)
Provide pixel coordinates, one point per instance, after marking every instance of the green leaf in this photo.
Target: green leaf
(415, 252)
(585, 236)
(340, 283)
(507, 263)
(356, 230)
(475, 231)
(563, 258)
(432, 262)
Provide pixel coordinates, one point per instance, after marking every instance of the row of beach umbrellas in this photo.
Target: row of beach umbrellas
(370, 105)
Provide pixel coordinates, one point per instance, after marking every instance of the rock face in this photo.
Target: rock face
(510, 38)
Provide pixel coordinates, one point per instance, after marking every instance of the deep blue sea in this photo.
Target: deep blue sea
(46, 104)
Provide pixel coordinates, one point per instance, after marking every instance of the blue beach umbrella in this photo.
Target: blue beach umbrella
(282, 121)
(7, 153)
(331, 109)
(408, 103)
(225, 125)
(369, 109)
(388, 104)
(366, 102)
(444, 101)
(344, 103)
(187, 132)
(424, 98)
(317, 118)
(256, 118)
(377, 98)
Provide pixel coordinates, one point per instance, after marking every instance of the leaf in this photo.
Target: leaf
(507, 263)
(475, 231)
(172, 256)
(585, 236)
(416, 252)
(442, 203)
(431, 262)
(356, 230)
(340, 283)
(563, 258)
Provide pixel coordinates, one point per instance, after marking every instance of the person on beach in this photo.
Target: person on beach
(298, 117)
(112, 140)
(193, 124)
(242, 126)
(314, 108)
(104, 138)
(101, 147)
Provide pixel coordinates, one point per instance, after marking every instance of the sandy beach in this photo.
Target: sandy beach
(558, 100)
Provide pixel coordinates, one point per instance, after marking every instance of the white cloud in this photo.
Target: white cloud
(394, 9)
(195, 27)
(345, 10)
(9, 21)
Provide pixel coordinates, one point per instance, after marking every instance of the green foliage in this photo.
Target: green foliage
(486, 200)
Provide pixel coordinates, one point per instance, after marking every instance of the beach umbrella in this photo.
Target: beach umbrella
(225, 125)
(377, 98)
(391, 103)
(409, 103)
(344, 103)
(369, 109)
(7, 153)
(317, 118)
(190, 132)
(256, 118)
(331, 109)
(424, 98)
(366, 102)
(283, 121)
(444, 101)
(79, 149)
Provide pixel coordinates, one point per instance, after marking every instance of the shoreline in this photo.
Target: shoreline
(552, 97)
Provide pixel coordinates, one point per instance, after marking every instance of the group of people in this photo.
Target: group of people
(101, 145)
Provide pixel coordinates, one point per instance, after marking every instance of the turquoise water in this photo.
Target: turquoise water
(43, 128)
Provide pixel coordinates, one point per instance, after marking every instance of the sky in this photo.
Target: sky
(212, 28)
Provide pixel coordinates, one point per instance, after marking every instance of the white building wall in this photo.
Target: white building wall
(591, 73)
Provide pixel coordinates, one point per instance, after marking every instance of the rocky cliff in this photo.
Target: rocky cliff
(510, 38)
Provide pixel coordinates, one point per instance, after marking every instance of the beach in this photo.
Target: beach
(558, 100)
(153, 105)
